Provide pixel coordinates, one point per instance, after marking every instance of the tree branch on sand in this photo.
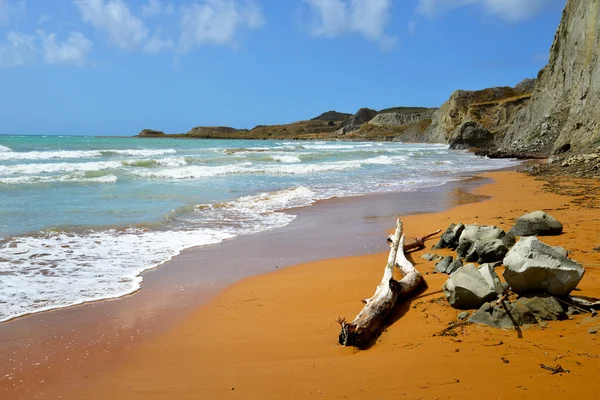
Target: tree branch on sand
(369, 323)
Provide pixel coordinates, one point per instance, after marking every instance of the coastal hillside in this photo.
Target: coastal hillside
(490, 110)
(367, 124)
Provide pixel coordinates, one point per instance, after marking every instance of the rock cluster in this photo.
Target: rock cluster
(476, 243)
(534, 271)
(581, 166)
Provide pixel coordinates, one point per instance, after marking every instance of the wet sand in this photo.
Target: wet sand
(45, 350)
(274, 336)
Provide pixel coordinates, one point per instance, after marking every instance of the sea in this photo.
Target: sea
(82, 217)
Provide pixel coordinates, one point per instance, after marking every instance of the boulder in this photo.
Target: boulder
(443, 265)
(449, 239)
(537, 223)
(498, 317)
(455, 265)
(467, 289)
(492, 279)
(526, 311)
(544, 306)
(533, 266)
(470, 134)
(483, 243)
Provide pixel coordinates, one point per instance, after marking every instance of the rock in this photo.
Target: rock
(544, 307)
(483, 243)
(498, 317)
(449, 239)
(487, 251)
(400, 119)
(594, 330)
(492, 279)
(431, 257)
(537, 223)
(455, 265)
(533, 266)
(443, 265)
(470, 134)
(463, 315)
(467, 289)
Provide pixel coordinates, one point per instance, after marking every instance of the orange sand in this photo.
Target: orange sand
(275, 337)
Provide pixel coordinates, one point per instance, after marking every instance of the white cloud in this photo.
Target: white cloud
(157, 45)
(152, 8)
(217, 22)
(9, 9)
(72, 51)
(18, 50)
(369, 18)
(113, 17)
(512, 10)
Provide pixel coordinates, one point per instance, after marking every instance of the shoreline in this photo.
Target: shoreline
(82, 339)
(278, 335)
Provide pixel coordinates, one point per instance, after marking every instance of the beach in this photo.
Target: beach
(274, 335)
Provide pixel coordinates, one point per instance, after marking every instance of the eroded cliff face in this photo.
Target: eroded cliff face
(494, 109)
(564, 111)
(558, 112)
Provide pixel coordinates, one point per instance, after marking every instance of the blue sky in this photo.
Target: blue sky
(113, 67)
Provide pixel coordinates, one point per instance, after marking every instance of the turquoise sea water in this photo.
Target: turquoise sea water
(82, 217)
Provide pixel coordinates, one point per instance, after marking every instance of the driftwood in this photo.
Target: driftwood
(418, 243)
(369, 323)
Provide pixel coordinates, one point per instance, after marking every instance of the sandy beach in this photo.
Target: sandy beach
(274, 335)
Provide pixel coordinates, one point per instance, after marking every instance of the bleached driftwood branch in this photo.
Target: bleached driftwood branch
(369, 323)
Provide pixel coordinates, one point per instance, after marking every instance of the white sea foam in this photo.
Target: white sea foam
(385, 160)
(279, 200)
(140, 153)
(52, 168)
(337, 146)
(4, 149)
(194, 171)
(60, 270)
(73, 178)
(75, 154)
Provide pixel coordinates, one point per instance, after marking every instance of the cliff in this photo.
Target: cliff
(556, 113)
(564, 111)
(493, 109)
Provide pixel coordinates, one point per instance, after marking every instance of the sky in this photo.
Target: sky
(114, 67)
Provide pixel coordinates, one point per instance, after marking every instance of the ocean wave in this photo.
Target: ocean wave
(63, 269)
(286, 159)
(74, 178)
(75, 154)
(336, 146)
(193, 172)
(152, 162)
(52, 168)
(4, 149)
(385, 160)
(140, 153)
(279, 200)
